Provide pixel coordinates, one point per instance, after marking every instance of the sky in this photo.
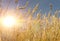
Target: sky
(43, 4)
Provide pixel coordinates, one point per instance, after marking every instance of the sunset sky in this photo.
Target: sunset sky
(43, 4)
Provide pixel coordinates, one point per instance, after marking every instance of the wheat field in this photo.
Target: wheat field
(42, 27)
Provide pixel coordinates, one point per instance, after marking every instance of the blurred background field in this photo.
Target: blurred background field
(25, 23)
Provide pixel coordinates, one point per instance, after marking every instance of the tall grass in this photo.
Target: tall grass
(42, 28)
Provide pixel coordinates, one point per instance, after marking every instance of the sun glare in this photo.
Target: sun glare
(9, 21)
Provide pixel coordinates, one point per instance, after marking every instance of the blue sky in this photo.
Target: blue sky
(43, 4)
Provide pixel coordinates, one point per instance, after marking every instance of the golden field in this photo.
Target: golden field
(42, 27)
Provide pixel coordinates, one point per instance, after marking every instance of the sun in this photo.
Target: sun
(9, 21)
